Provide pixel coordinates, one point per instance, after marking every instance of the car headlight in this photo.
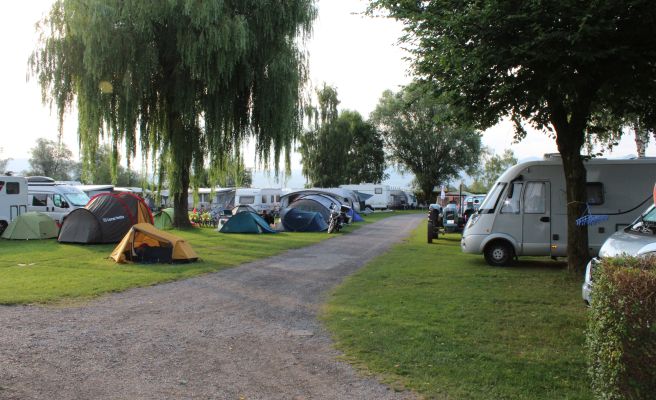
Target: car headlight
(472, 220)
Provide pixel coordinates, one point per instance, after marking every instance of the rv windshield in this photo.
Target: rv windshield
(647, 222)
(77, 199)
(491, 200)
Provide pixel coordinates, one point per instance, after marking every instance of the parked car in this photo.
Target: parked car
(637, 239)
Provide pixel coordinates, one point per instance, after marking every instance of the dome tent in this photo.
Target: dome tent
(31, 225)
(105, 219)
(296, 220)
(164, 219)
(246, 222)
(146, 244)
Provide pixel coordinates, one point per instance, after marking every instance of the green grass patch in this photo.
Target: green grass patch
(39, 271)
(44, 271)
(448, 326)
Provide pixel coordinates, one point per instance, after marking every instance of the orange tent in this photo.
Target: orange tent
(146, 244)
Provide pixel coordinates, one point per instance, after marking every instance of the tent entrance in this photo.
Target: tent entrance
(145, 254)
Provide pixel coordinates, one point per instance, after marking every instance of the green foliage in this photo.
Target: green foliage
(621, 335)
(184, 80)
(493, 166)
(423, 134)
(51, 159)
(103, 172)
(447, 326)
(341, 148)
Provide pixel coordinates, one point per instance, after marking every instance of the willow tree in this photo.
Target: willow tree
(186, 81)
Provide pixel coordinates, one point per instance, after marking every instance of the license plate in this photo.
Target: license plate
(449, 221)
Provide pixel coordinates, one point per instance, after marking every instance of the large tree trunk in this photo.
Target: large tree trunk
(570, 136)
(181, 156)
(181, 201)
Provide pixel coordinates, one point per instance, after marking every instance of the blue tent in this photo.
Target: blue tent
(297, 220)
(246, 222)
(355, 217)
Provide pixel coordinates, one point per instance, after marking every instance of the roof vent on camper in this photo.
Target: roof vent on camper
(551, 156)
(39, 180)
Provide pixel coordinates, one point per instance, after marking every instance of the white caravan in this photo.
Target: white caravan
(525, 212)
(267, 199)
(13, 199)
(375, 196)
(53, 199)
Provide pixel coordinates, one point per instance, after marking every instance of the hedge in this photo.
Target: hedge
(621, 333)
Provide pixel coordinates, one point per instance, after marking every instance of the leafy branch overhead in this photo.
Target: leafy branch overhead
(552, 64)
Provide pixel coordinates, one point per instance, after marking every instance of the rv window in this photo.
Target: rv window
(2, 184)
(491, 200)
(57, 200)
(277, 198)
(264, 199)
(378, 191)
(595, 193)
(13, 188)
(534, 198)
(511, 204)
(40, 200)
(246, 199)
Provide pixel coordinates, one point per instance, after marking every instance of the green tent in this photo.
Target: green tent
(31, 225)
(246, 222)
(164, 219)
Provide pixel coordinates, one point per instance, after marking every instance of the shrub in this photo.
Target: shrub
(621, 335)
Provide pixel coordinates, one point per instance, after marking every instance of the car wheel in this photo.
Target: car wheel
(498, 254)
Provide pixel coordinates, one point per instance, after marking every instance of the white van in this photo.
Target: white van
(267, 199)
(375, 196)
(13, 199)
(525, 212)
(54, 199)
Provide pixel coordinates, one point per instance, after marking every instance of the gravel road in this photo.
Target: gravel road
(250, 332)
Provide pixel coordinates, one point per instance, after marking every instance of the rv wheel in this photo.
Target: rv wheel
(3, 226)
(498, 254)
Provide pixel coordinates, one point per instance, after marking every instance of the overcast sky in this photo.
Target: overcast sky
(357, 54)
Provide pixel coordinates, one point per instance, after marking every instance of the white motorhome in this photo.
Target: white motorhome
(267, 199)
(13, 199)
(525, 212)
(375, 196)
(53, 199)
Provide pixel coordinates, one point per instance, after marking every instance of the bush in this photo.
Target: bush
(621, 335)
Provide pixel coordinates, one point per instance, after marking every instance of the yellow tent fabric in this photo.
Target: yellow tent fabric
(145, 234)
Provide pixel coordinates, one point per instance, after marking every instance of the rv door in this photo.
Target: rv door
(536, 221)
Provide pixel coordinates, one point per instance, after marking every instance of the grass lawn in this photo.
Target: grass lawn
(448, 326)
(42, 271)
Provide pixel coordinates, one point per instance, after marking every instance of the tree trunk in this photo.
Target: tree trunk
(181, 201)
(641, 138)
(570, 136)
(181, 156)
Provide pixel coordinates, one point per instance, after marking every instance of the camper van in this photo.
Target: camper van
(525, 211)
(375, 196)
(13, 199)
(53, 199)
(267, 199)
